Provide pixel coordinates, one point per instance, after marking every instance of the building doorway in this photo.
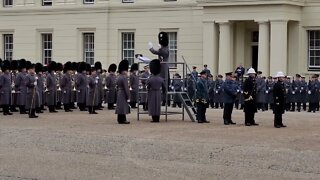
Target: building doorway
(254, 56)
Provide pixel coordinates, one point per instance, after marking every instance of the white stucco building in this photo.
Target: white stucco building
(270, 35)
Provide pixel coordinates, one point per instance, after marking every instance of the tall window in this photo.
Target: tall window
(8, 46)
(88, 1)
(46, 2)
(7, 3)
(314, 50)
(46, 48)
(173, 47)
(128, 46)
(88, 48)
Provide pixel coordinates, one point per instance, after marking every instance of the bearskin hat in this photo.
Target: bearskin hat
(67, 66)
(98, 65)
(82, 67)
(123, 66)
(59, 67)
(134, 67)
(1, 62)
(112, 68)
(155, 67)
(45, 68)
(5, 65)
(88, 67)
(14, 65)
(74, 66)
(29, 65)
(38, 67)
(22, 64)
(52, 66)
(163, 39)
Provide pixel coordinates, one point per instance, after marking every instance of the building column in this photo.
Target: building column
(225, 61)
(210, 46)
(264, 47)
(278, 46)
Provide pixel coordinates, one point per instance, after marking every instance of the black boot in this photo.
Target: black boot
(122, 119)
(13, 109)
(155, 119)
(22, 110)
(33, 114)
(91, 110)
(52, 109)
(6, 110)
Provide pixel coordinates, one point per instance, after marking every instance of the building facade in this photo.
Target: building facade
(269, 35)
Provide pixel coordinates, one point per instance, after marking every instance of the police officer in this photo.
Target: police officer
(111, 85)
(5, 88)
(230, 93)
(279, 93)
(155, 86)
(202, 97)
(249, 93)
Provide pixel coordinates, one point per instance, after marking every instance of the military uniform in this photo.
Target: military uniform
(81, 86)
(229, 96)
(20, 86)
(261, 93)
(218, 96)
(5, 88)
(269, 94)
(313, 95)
(191, 87)
(65, 84)
(279, 93)
(303, 94)
(288, 87)
(177, 85)
(202, 99)
(111, 81)
(211, 87)
(143, 96)
(59, 69)
(33, 101)
(51, 87)
(250, 107)
(92, 97)
(134, 85)
(40, 86)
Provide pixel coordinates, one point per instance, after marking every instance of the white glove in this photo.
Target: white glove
(97, 78)
(159, 46)
(293, 92)
(216, 92)
(96, 81)
(238, 90)
(35, 83)
(302, 88)
(128, 100)
(150, 45)
(242, 92)
(267, 92)
(309, 92)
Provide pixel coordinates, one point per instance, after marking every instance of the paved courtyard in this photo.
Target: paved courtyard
(82, 146)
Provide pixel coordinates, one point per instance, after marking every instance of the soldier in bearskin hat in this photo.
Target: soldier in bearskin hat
(163, 56)
(74, 69)
(59, 73)
(51, 87)
(5, 88)
(98, 67)
(155, 85)
(20, 86)
(81, 85)
(93, 94)
(14, 72)
(40, 86)
(32, 100)
(123, 93)
(65, 84)
(134, 85)
(111, 81)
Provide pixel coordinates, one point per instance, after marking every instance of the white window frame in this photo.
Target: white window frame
(6, 3)
(88, 1)
(8, 46)
(47, 1)
(173, 47)
(314, 50)
(128, 46)
(88, 47)
(46, 47)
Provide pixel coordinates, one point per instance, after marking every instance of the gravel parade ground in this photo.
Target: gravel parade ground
(81, 146)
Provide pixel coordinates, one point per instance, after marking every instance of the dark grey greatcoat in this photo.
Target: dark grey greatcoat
(32, 92)
(73, 88)
(218, 96)
(100, 88)
(177, 85)
(65, 84)
(314, 92)
(93, 96)
(52, 89)
(163, 54)
(40, 88)
(123, 95)
(144, 76)
(21, 88)
(155, 85)
(5, 89)
(81, 85)
(134, 84)
(59, 92)
(111, 82)
(269, 92)
(261, 90)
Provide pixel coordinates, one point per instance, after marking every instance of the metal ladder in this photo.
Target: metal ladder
(188, 105)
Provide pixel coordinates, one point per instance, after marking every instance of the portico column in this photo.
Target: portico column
(225, 59)
(264, 45)
(278, 46)
(210, 46)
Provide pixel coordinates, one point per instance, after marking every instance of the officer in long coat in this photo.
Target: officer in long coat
(81, 86)
(218, 96)
(40, 86)
(191, 86)
(5, 88)
(297, 85)
(155, 86)
(211, 87)
(279, 93)
(14, 73)
(304, 93)
(59, 69)
(143, 96)
(20, 86)
(123, 93)
(177, 85)
(98, 67)
(51, 87)
(163, 56)
(134, 85)
(65, 84)
(249, 93)
(289, 97)
(313, 94)
(261, 91)
(229, 96)
(33, 101)
(269, 93)
(111, 85)
(93, 91)
(202, 97)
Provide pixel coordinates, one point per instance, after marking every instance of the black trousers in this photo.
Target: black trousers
(5, 109)
(122, 118)
(156, 118)
(278, 119)
(227, 111)
(249, 117)
(201, 111)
